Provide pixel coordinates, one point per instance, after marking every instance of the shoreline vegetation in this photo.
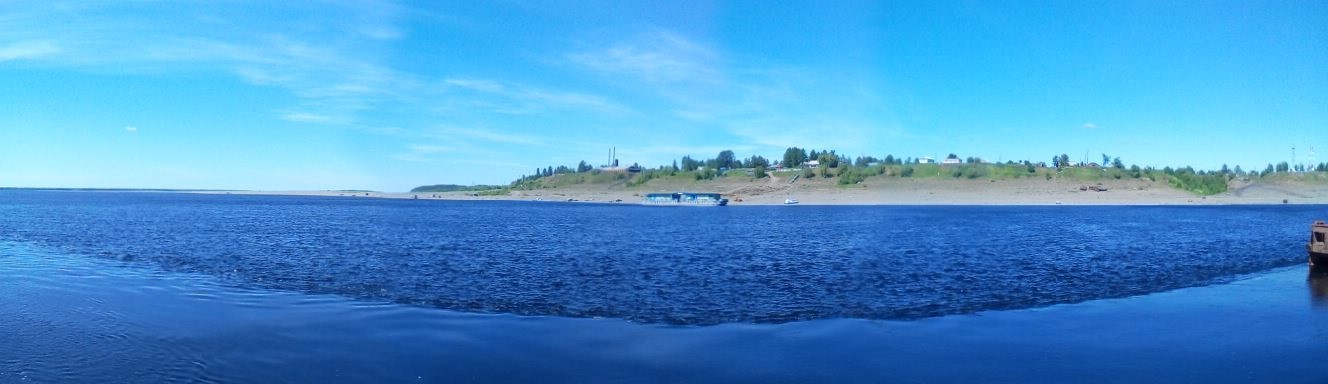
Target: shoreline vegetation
(827, 178)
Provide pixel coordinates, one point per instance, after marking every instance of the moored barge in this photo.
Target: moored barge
(686, 199)
(1318, 246)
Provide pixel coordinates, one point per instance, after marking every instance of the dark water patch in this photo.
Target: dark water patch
(662, 265)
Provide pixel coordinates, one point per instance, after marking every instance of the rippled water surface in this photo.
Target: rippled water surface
(668, 265)
(159, 287)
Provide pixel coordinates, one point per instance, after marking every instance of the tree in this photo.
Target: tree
(1283, 167)
(1105, 159)
(725, 159)
(1061, 161)
(689, 164)
(828, 159)
(952, 156)
(757, 162)
(794, 157)
(1116, 163)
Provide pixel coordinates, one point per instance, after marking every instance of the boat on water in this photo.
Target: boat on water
(686, 199)
(1318, 245)
(790, 201)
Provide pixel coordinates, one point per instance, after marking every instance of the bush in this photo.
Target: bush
(850, 176)
(1201, 184)
(976, 171)
(907, 172)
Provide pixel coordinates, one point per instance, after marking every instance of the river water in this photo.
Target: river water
(149, 287)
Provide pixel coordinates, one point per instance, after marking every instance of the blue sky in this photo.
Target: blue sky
(388, 96)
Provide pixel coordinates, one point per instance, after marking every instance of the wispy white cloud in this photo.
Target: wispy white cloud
(491, 136)
(333, 57)
(131, 129)
(520, 99)
(1089, 126)
(745, 102)
(305, 117)
(656, 57)
(27, 50)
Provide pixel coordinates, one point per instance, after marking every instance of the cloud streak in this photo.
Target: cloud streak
(27, 50)
(304, 117)
(520, 99)
(759, 107)
(658, 57)
(331, 58)
(490, 136)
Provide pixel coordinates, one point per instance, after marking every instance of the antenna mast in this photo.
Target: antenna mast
(1312, 164)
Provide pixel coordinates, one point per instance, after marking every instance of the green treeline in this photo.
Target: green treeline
(848, 171)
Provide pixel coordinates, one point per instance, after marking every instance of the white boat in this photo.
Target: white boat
(790, 201)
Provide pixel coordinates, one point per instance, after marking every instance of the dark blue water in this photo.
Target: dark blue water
(668, 265)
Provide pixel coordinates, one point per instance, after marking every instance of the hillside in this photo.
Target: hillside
(933, 184)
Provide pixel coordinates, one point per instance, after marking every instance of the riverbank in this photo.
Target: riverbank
(897, 191)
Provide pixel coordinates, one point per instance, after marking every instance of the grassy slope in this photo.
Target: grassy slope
(1199, 184)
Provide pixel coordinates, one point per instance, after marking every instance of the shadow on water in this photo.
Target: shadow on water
(1318, 283)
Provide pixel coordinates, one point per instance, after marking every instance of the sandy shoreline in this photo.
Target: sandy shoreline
(890, 192)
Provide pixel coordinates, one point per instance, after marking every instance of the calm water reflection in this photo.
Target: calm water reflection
(1318, 283)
